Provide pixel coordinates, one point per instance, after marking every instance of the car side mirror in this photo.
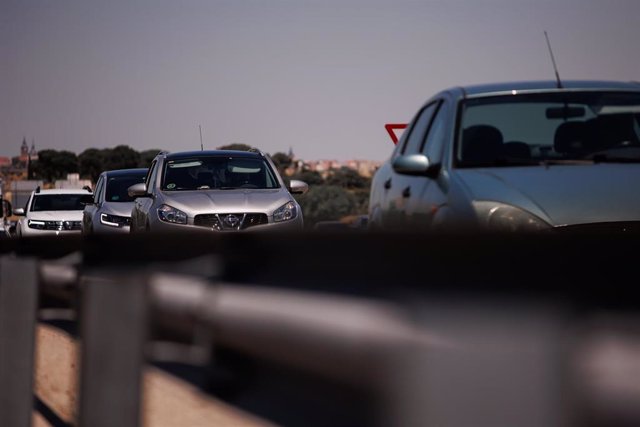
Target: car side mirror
(87, 200)
(416, 165)
(19, 212)
(138, 190)
(298, 187)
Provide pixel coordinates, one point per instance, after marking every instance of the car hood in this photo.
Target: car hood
(227, 201)
(56, 216)
(562, 194)
(117, 208)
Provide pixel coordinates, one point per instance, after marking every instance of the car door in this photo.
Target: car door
(401, 188)
(427, 194)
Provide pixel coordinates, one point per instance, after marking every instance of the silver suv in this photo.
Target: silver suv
(215, 190)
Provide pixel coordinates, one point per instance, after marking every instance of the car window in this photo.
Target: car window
(527, 129)
(151, 178)
(57, 202)
(433, 145)
(117, 187)
(99, 188)
(418, 131)
(218, 172)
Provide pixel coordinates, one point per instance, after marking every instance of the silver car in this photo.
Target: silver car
(528, 156)
(110, 209)
(215, 190)
(55, 212)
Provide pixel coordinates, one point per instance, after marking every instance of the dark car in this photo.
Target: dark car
(526, 156)
(110, 208)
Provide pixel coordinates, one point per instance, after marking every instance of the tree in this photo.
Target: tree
(282, 161)
(146, 157)
(122, 157)
(348, 178)
(91, 163)
(310, 177)
(235, 146)
(53, 164)
(325, 203)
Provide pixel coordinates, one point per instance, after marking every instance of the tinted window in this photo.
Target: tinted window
(217, 172)
(151, 178)
(57, 202)
(99, 188)
(117, 188)
(435, 139)
(526, 129)
(419, 130)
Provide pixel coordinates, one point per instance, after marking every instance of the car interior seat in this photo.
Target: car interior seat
(571, 138)
(482, 144)
(613, 130)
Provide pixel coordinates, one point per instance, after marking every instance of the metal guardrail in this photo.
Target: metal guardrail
(458, 331)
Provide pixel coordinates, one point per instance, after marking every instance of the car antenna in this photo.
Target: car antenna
(201, 146)
(553, 61)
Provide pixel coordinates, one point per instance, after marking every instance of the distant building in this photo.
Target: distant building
(73, 181)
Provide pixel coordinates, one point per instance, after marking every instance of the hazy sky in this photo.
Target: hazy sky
(322, 77)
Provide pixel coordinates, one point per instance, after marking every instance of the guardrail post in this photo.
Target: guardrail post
(114, 334)
(18, 305)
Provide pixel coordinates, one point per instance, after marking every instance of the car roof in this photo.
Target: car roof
(63, 191)
(548, 85)
(191, 154)
(124, 172)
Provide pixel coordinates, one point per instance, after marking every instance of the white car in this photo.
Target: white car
(52, 212)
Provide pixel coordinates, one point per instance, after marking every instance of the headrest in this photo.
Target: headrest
(481, 143)
(571, 137)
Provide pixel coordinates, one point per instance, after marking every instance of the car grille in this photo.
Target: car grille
(57, 225)
(622, 227)
(230, 221)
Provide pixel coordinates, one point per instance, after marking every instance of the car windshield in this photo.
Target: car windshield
(564, 127)
(218, 172)
(57, 202)
(117, 187)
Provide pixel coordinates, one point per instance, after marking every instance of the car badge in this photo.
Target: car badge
(232, 220)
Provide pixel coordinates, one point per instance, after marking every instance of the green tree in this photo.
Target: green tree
(282, 161)
(92, 163)
(348, 178)
(235, 146)
(53, 164)
(146, 157)
(121, 157)
(325, 203)
(310, 177)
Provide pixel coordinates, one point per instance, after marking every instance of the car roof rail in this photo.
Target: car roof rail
(255, 150)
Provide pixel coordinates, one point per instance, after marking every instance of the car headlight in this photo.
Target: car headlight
(170, 214)
(38, 225)
(285, 212)
(114, 220)
(500, 217)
